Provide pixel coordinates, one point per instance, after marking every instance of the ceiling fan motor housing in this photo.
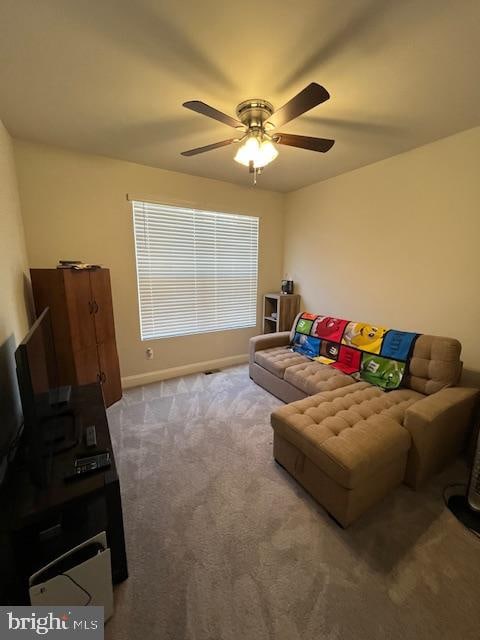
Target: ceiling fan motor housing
(254, 112)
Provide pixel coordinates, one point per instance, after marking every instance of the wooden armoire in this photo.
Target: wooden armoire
(81, 309)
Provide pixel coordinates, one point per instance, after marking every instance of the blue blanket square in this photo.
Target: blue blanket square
(397, 344)
(306, 345)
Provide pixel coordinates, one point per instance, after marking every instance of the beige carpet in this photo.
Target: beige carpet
(224, 545)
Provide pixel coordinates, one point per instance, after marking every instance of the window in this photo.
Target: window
(196, 270)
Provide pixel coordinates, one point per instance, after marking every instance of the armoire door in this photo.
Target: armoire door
(49, 291)
(109, 372)
(80, 309)
(86, 365)
(102, 305)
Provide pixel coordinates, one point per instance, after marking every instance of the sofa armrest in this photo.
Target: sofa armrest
(438, 426)
(267, 341)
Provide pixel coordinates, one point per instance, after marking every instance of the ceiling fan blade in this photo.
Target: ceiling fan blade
(207, 110)
(304, 142)
(209, 147)
(310, 97)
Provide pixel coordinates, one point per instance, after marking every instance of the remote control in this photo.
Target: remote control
(474, 487)
(91, 436)
(90, 464)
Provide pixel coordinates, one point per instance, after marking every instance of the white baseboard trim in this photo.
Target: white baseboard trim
(185, 370)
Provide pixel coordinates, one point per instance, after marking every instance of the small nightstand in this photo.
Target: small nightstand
(279, 311)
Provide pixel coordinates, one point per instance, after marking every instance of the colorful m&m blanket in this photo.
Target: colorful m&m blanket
(375, 354)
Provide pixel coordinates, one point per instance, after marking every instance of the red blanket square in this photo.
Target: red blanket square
(348, 360)
(330, 328)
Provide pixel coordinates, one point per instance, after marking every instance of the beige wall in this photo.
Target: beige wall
(74, 206)
(13, 270)
(395, 243)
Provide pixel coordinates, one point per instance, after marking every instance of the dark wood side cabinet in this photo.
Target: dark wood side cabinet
(81, 309)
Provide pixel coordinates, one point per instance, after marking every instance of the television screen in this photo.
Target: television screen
(49, 424)
(11, 418)
(36, 370)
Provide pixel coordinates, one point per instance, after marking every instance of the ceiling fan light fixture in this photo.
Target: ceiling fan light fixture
(268, 152)
(258, 152)
(248, 151)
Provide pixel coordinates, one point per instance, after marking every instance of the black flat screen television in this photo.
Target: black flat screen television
(50, 424)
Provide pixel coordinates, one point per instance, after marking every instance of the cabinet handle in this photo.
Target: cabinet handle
(95, 306)
(103, 377)
(90, 307)
(99, 378)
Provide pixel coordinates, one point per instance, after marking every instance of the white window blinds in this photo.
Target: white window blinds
(196, 270)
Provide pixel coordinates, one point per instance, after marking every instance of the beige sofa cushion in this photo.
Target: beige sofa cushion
(349, 433)
(434, 365)
(277, 359)
(313, 377)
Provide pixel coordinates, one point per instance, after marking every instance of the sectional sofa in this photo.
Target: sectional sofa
(349, 443)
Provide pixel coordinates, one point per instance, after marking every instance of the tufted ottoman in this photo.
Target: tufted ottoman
(347, 447)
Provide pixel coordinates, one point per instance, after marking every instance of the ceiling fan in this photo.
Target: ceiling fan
(256, 120)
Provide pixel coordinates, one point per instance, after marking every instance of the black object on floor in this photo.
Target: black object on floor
(458, 505)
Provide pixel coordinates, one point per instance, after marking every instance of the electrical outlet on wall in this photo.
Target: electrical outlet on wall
(149, 353)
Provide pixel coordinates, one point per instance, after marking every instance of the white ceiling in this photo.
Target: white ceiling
(109, 77)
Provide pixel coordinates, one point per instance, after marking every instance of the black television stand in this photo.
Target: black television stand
(61, 431)
(60, 396)
(38, 524)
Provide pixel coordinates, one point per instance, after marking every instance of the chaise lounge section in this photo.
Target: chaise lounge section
(348, 442)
